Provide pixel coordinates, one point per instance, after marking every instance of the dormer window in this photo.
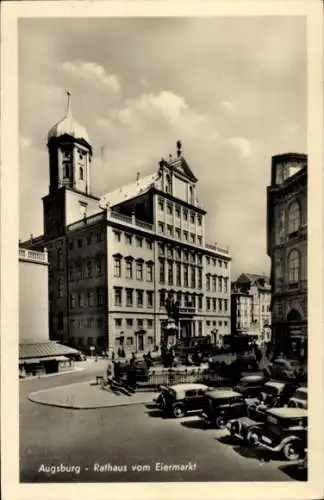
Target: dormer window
(81, 173)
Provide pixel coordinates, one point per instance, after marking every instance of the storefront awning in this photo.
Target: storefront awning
(30, 361)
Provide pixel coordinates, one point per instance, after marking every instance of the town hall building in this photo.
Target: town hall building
(115, 259)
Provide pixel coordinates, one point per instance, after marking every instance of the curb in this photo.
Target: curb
(76, 370)
(111, 405)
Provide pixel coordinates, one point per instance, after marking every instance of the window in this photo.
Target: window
(81, 300)
(169, 209)
(293, 217)
(118, 296)
(66, 170)
(294, 266)
(185, 275)
(220, 283)
(129, 322)
(72, 301)
(128, 239)
(168, 184)
(81, 173)
(129, 269)
(214, 304)
(187, 300)
(139, 294)
(208, 282)
(179, 298)
(185, 235)
(89, 239)
(192, 238)
(220, 262)
(129, 341)
(225, 264)
(193, 277)
(170, 252)
(80, 243)
(208, 304)
(170, 272)
(178, 274)
(161, 227)
(150, 340)
(161, 204)
(98, 268)
(169, 230)
(149, 299)
(199, 258)
(177, 212)
(199, 284)
(149, 271)
(225, 284)
(71, 245)
(129, 297)
(117, 235)
(220, 304)
(199, 302)
(139, 241)
(185, 214)
(199, 219)
(140, 323)
(118, 322)
(117, 267)
(150, 324)
(192, 217)
(200, 327)
(178, 232)
(149, 244)
(139, 271)
(191, 195)
(162, 271)
(214, 323)
(100, 236)
(208, 323)
(161, 249)
(214, 278)
(178, 253)
(199, 240)
(89, 269)
(90, 299)
(207, 261)
(162, 299)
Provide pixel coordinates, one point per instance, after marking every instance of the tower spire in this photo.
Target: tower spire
(69, 107)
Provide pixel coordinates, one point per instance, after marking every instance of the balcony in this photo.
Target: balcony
(33, 256)
(187, 310)
(87, 221)
(129, 219)
(215, 248)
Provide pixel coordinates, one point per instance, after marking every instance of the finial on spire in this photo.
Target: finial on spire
(137, 176)
(179, 146)
(68, 93)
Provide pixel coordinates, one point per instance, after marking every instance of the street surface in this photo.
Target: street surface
(128, 444)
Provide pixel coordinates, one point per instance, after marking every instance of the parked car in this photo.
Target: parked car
(251, 386)
(283, 368)
(180, 399)
(285, 432)
(298, 399)
(277, 394)
(221, 406)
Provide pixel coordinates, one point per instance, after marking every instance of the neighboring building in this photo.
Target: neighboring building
(33, 295)
(250, 306)
(36, 352)
(287, 248)
(115, 259)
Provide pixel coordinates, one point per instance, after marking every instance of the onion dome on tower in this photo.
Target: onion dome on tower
(69, 126)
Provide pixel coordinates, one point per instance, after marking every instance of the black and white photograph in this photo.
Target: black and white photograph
(162, 249)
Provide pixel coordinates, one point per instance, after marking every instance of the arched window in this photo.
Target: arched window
(294, 266)
(168, 184)
(293, 217)
(81, 173)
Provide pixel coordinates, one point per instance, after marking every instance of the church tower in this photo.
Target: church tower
(70, 155)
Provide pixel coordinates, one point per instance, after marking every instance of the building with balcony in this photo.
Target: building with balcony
(250, 307)
(287, 248)
(115, 259)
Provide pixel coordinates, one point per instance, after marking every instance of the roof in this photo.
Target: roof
(253, 277)
(44, 350)
(129, 191)
(187, 387)
(224, 393)
(68, 126)
(288, 412)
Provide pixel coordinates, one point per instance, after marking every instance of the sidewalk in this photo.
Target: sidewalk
(86, 396)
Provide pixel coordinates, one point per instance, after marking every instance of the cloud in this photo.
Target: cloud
(166, 103)
(228, 106)
(241, 145)
(92, 72)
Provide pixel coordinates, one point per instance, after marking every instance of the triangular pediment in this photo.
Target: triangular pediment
(181, 166)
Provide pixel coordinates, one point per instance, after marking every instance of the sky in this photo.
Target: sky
(233, 90)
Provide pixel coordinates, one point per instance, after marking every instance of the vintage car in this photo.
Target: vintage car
(285, 432)
(222, 406)
(251, 386)
(298, 399)
(180, 399)
(276, 394)
(283, 368)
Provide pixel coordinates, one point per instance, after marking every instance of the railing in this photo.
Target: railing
(145, 225)
(32, 255)
(188, 310)
(130, 220)
(217, 249)
(170, 377)
(86, 221)
(122, 217)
